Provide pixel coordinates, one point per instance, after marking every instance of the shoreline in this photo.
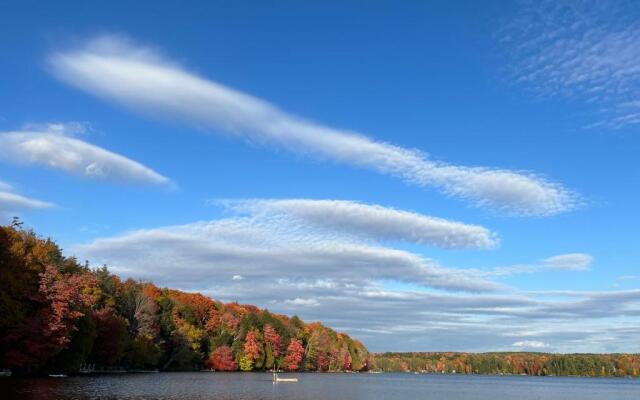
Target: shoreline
(138, 372)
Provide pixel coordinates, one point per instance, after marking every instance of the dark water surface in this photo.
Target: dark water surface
(258, 386)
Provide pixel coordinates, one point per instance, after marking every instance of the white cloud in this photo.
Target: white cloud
(302, 302)
(373, 221)
(566, 262)
(139, 78)
(531, 344)
(56, 149)
(260, 249)
(237, 277)
(581, 51)
(572, 261)
(13, 202)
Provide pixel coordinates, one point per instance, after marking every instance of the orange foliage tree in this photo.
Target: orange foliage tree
(272, 337)
(252, 348)
(222, 359)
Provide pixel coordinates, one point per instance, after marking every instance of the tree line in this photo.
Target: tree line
(520, 363)
(57, 315)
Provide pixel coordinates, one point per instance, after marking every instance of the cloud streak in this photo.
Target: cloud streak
(58, 150)
(13, 202)
(373, 221)
(139, 78)
(562, 262)
(571, 261)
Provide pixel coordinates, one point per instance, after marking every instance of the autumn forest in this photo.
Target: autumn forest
(58, 315)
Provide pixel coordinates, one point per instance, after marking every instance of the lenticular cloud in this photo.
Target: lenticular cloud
(58, 150)
(372, 221)
(139, 78)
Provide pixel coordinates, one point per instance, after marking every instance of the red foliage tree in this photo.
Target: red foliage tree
(63, 299)
(68, 296)
(252, 348)
(272, 337)
(295, 351)
(222, 359)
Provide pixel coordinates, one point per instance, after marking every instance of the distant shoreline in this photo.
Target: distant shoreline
(618, 365)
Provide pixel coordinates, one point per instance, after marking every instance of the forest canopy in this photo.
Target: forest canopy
(59, 315)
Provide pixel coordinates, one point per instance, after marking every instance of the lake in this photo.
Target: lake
(258, 386)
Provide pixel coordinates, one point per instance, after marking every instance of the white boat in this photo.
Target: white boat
(286, 380)
(5, 373)
(277, 379)
(57, 376)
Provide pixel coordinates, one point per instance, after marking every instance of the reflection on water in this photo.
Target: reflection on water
(258, 386)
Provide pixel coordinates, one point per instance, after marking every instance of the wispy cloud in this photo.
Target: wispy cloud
(571, 261)
(56, 148)
(562, 262)
(139, 78)
(583, 51)
(13, 202)
(372, 221)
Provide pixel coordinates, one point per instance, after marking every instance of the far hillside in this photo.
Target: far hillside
(522, 363)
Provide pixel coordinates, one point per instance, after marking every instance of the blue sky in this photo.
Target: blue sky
(462, 176)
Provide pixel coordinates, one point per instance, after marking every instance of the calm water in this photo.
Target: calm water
(234, 386)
